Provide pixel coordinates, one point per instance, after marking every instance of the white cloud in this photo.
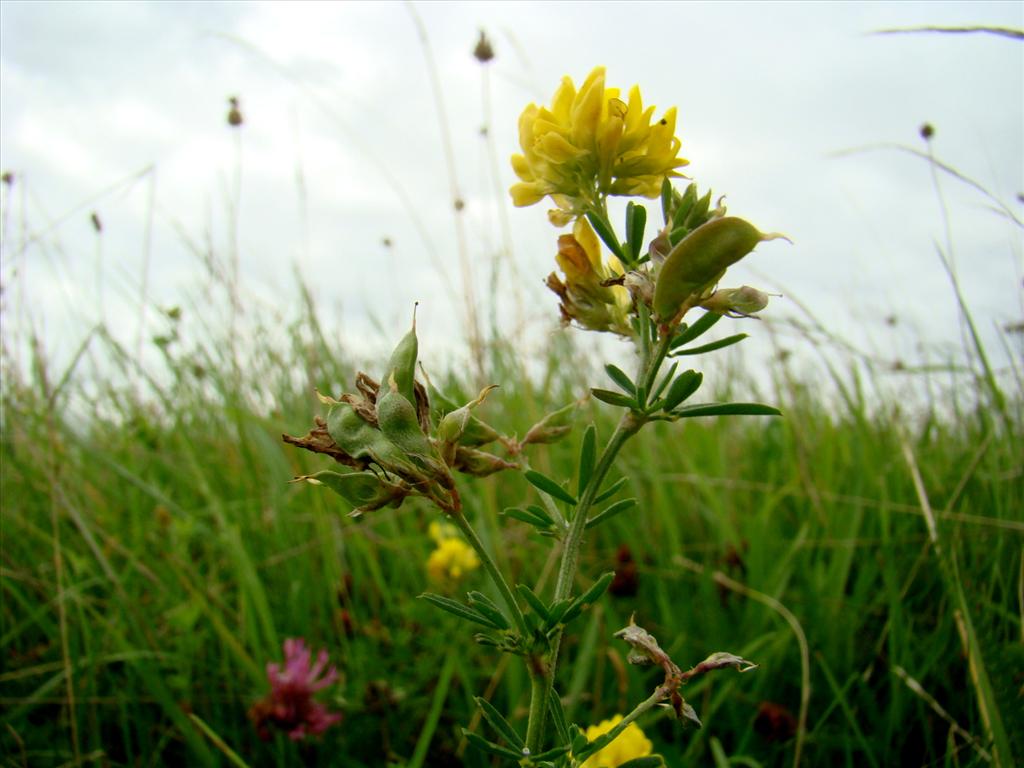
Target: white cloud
(339, 97)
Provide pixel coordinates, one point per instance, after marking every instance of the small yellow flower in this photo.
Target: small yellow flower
(589, 144)
(583, 298)
(630, 744)
(453, 558)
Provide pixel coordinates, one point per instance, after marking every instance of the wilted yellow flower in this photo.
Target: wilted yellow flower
(583, 298)
(590, 144)
(630, 744)
(453, 558)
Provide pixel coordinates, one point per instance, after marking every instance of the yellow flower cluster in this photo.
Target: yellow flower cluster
(583, 298)
(453, 558)
(590, 144)
(630, 744)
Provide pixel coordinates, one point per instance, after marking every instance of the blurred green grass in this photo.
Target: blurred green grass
(155, 557)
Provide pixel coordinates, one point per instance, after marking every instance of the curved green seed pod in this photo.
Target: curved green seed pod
(455, 423)
(397, 419)
(349, 430)
(699, 259)
(363, 490)
(402, 365)
(362, 441)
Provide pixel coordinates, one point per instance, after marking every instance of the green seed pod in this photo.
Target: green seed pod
(736, 302)
(397, 419)
(362, 441)
(479, 463)
(349, 430)
(402, 365)
(365, 491)
(454, 425)
(552, 427)
(700, 259)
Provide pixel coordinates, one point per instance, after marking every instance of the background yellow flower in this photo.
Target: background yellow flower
(453, 558)
(630, 744)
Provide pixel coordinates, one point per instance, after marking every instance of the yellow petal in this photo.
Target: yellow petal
(589, 241)
(524, 194)
(586, 109)
(554, 148)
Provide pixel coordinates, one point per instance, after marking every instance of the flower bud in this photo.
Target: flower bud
(470, 461)
(552, 427)
(736, 302)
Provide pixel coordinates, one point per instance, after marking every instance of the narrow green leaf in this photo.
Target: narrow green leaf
(540, 513)
(606, 233)
(218, 742)
(682, 388)
(429, 727)
(611, 490)
(728, 341)
(664, 382)
(636, 221)
(591, 595)
(613, 398)
(726, 409)
(620, 377)
(689, 333)
(458, 609)
(588, 456)
(526, 516)
(551, 753)
(686, 203)
(557, 610)
(618, 507)
(545, 484)
(499, 723)
(491, 748)
(579, 739)
(488, 640)
(666, 199)
(558, 716)
(483, 605)
(700, 209)
(535, 602)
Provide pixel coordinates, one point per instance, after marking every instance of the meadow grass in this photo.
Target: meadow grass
(155, 556)
(866, 553)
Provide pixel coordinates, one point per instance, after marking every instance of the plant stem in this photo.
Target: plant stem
(643, 706)
(541, 683)
(629, 425)
(460, 520)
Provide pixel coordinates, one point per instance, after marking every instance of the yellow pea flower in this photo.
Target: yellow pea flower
(453, 558)
(583, 298)
(630, 744)
(589, 144)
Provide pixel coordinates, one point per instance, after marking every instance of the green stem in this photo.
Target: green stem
(628, 425)
(540, 684)
(492, 569)
(643, 706)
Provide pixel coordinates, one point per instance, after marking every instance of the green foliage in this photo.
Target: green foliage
(155, 555)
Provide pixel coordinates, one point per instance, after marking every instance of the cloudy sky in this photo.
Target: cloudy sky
(339, 173)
